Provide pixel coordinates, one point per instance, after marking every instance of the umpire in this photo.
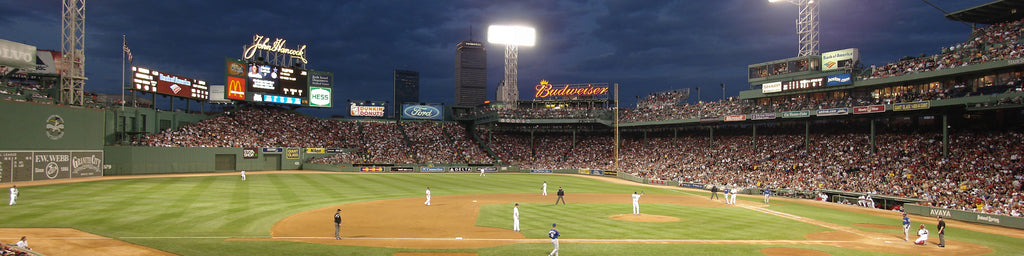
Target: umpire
(561, 193)
(714, 192)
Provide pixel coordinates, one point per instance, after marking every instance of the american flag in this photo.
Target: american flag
(126, 50)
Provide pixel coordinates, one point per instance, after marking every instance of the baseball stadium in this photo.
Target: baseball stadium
(823, 155)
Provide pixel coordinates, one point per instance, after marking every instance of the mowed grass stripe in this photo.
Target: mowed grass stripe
(695, 222)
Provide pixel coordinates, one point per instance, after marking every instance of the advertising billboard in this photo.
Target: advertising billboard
(908, 106)
(261, 82)
(838, 79)
(17, 55)
(841, 59)
(569, 91)
(425, 111)
(771, 87)
(366, 109)
(869, 109)
(153, 81)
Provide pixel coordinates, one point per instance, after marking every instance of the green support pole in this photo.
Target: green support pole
(871, 140)
(712, 136)
(807, 134)
(945, 135)
(754, 138)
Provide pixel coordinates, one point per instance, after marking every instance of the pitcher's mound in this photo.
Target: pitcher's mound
(644, 218)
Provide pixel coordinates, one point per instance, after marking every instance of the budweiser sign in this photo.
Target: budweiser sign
(547, 90)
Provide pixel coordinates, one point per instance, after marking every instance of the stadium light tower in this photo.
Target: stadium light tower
(512, 37)
(806, 26)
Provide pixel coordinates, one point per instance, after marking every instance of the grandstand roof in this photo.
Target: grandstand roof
(990, 13)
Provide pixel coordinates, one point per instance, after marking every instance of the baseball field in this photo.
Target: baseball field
(291, 213)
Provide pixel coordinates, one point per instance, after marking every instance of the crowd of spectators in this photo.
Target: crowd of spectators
(255, 127)
(686, 111)
(983, 172)
(551, 113)
(666, 98)
(385, 142)
(996, 42)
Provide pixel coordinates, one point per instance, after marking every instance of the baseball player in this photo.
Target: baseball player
(515, 218)
(23, 243)
(636, 203)
(482, 172)
(427, 203)
(337, 224)
(733, 200)
(922, 236)
(544, 189)
(767, 193)
(553, 234)
(906, 227)
(14, 194)
(243, 175)
(725, 194)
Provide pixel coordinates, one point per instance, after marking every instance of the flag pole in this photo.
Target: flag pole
(124, 42)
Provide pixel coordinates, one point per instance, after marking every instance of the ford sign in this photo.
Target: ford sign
(421, 111)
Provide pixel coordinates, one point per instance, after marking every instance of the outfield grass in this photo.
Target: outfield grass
(195, 208)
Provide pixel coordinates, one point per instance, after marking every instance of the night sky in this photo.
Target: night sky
(645, 46)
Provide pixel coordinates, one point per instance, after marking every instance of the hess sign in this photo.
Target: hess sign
(547, 90)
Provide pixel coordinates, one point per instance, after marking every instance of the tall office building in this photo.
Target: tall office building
(407, 89)
(470, 73)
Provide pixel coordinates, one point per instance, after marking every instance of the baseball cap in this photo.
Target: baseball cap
(554, 224)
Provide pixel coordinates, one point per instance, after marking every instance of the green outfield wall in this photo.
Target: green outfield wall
(161, 160)
(31, 126)
(411, 168)
(983, 218)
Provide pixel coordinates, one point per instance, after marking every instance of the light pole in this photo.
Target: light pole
(512, 37)
(806, 26)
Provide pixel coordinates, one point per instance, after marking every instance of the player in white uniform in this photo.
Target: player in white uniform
(243, 175)
(482, 172)
(922, 236)
(732, 199)
(636, 203)
(544, 189)
(515, 218)
(427, 203)
(14, 194)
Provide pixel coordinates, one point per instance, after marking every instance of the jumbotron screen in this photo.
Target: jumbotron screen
(257, 82)
(153, 81)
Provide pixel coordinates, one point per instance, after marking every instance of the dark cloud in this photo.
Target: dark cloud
(646, 46)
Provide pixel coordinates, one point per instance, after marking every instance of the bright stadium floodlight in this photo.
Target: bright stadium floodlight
(806, 26)
(512, 37)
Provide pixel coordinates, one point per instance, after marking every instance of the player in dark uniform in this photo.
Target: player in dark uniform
(714, 192)
(337, 224)
(561, 193)
(942, 232)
